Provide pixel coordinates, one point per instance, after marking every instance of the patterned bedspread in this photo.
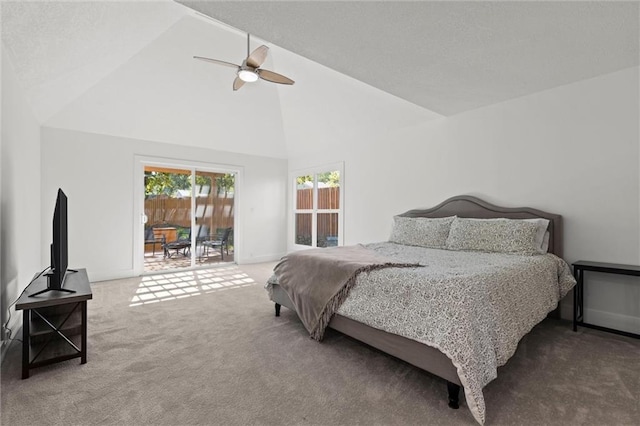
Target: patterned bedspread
(472, 306)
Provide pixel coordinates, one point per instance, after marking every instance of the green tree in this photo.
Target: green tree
(330, 178)
(302, 179)
(225, 183)
(163, 183)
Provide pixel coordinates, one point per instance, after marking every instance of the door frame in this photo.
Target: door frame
(140, 161)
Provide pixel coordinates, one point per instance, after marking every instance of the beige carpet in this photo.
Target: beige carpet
(206, 348)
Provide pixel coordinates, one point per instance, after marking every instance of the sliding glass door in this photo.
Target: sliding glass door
(167, 207)
(214, 217)
(187, 217)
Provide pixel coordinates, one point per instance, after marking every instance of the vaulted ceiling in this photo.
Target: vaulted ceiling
(61, 49)
(448, 56)
(126, 68)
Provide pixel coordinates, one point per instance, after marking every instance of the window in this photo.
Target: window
(317, 207)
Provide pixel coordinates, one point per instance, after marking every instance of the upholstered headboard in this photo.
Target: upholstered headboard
(473, 207)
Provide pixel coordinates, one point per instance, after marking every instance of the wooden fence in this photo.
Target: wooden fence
(212, 212)
(328, 198)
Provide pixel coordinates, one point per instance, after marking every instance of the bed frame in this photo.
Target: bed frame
(415, 353)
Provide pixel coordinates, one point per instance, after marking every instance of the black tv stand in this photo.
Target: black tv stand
(54, 325)
(54, 289)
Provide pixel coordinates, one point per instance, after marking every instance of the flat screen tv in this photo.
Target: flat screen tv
(59, 248)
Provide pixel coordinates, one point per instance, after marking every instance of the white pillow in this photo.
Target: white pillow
(421, 231)
(495, 235)
(545, 243)
(542, 224)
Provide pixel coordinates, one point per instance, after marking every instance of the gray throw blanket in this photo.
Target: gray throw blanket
(319, 280)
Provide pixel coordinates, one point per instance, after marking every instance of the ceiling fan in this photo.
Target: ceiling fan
(250, 70)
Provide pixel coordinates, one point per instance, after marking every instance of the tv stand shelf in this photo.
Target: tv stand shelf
(54, 324)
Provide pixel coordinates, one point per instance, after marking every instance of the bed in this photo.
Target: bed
(440, 356)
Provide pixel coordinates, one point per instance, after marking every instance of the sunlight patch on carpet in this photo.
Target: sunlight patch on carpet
(178, 285)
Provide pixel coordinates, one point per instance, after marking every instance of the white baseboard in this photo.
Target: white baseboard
(612, 320)
(110, 275)
(261, 259)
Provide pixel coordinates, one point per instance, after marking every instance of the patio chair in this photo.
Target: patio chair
(182, 243)
(221, 239)
(202, 235)
(152, 238)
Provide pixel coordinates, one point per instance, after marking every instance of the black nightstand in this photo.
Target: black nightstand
(579, 269)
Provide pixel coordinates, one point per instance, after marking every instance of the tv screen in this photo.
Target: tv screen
(59, 247)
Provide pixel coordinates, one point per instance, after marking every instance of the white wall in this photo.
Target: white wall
(573, 150)
(20, 194)
(163, 94)
(97, 174)
(327, 111)
(329, 117)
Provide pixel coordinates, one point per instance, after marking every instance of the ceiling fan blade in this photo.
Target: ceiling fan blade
(258, 56)
(274, 77)
(215, 61)
(237, 83)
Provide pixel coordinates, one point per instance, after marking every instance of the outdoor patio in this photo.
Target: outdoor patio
(158, 262)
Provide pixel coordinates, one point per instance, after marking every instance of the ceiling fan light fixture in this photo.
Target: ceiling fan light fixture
(250, 70)
(248, 76)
